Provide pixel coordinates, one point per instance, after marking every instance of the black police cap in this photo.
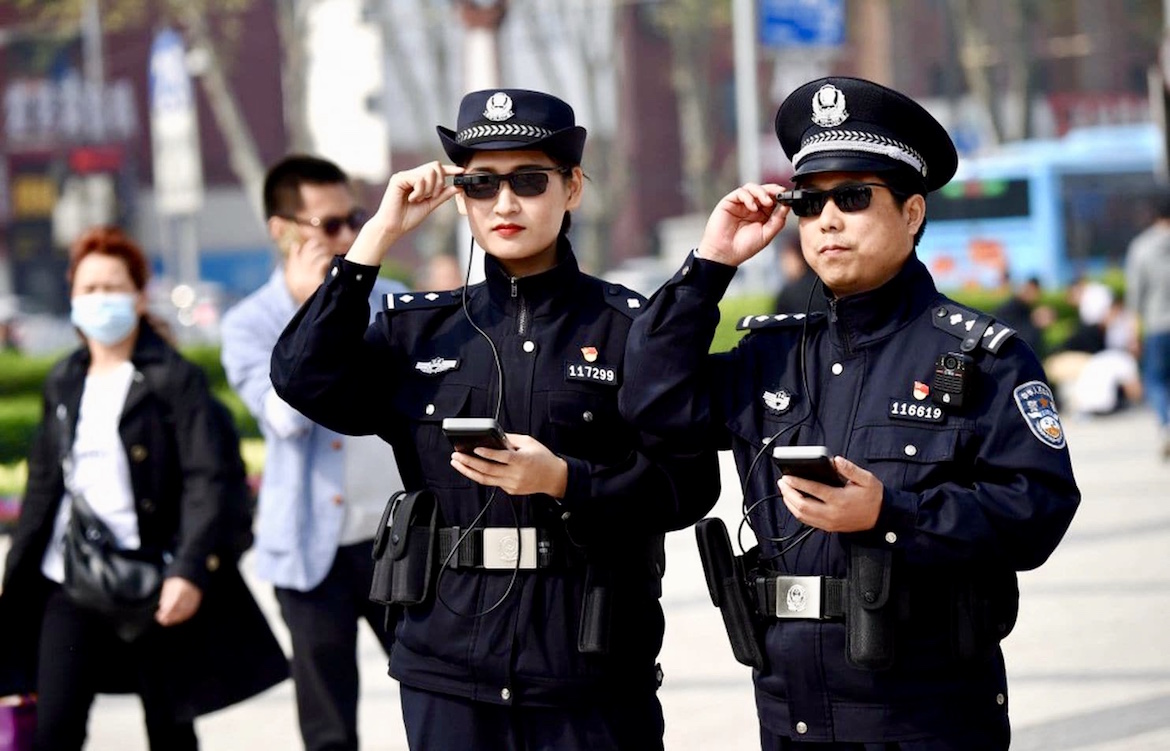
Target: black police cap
(841, 124)
(512, 120)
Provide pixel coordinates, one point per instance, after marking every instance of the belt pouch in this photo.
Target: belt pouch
(405, 549)
(727, 585)
(870, 615)
(596, 610)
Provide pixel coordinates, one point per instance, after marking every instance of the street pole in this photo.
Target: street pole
(747, 104)
(481, 70)
(91, 36)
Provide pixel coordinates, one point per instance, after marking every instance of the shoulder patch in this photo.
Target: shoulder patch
(401, 301)
(1036, 403)
(624, 300)
(976, 329)
(779, 320)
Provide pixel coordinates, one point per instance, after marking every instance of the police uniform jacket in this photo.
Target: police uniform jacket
(186, 474)
(972, 493)
(560, 338)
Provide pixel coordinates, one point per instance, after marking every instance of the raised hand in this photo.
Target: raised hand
(410, 198)
(305, 267)
(742, 224)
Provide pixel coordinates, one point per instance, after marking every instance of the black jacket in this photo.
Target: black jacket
(972, 493)
(560, 337)
(184, 474)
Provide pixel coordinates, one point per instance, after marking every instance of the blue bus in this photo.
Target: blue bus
(1053, 209)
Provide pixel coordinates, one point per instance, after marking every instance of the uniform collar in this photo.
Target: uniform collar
(861, 319)
(538, 291)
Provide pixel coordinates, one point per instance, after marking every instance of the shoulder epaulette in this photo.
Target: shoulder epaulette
(624, 300)
(401, 301)
(975, 328)
(776, 321)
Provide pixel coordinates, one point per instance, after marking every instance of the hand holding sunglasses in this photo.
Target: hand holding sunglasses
(806, 202)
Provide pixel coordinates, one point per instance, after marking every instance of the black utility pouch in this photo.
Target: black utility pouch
(727, 585)
(870, 612)
(405, 549)
(596, 612)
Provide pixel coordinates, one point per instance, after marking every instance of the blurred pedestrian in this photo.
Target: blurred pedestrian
(1147, 278)
(132, 443)
(322, 493)
(1024, 313)
(441, 272)
(537, 623)
(801, 290)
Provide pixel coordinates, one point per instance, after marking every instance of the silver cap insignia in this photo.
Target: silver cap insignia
(829, 107)
(499, 107)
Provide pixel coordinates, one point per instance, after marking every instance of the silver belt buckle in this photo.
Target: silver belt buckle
(502, 548)
(799, 597)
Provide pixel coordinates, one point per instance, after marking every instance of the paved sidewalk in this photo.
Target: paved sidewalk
(1088, 663)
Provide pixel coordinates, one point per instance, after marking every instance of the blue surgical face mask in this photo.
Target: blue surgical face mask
(105, 317)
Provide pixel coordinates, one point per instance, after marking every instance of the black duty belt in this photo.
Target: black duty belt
(496, 548)
(818, 598)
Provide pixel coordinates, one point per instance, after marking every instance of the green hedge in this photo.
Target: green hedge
(20, 398)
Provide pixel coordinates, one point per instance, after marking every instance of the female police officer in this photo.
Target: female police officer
(506, 652)
(883, 601)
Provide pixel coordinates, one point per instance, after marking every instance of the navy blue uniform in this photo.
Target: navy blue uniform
(560, 337)
(972, 493)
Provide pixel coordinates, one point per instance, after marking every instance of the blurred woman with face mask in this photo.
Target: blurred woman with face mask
(131, 431)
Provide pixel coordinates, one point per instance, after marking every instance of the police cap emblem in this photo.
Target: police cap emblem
(498, 107)
(828, 106)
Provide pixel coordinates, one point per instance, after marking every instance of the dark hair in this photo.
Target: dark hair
(110, 241)
(903, 184)
(282, 184)
(1162, 206)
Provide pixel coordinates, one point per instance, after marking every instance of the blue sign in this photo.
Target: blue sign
(802, 23)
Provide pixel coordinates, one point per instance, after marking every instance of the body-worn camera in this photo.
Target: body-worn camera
(951, 379)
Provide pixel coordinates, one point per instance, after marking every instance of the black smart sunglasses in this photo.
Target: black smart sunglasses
(331, 225)
(527, 183)
(849, 198)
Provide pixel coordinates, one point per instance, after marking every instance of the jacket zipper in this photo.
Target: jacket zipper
(522, 315)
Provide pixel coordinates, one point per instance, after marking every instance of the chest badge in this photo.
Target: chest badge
(1036, 403)
(436, 365)
(921, 390)
(778, 401)
(589, 353)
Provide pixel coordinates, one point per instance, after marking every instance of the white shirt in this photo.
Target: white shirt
(100, 471)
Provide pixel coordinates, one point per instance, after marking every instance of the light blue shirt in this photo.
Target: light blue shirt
(301, 513)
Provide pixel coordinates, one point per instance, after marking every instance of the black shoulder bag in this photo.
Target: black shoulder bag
(122, 585)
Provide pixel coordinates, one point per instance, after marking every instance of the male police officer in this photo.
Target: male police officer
(880, 603)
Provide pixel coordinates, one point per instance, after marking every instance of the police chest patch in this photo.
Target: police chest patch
(436, 365)
(1038, 407)
(591, 373)
(778, 402)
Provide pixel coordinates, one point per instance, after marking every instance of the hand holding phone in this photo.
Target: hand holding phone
(468, 433)
(810, 462)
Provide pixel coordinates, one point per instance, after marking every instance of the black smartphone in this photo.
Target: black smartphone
(810, 462)
(466, 433)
